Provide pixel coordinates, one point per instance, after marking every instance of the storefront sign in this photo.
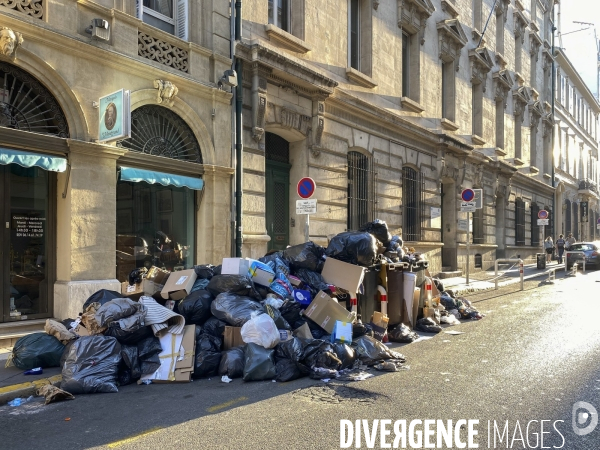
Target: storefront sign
(114, 116)
(28, 227)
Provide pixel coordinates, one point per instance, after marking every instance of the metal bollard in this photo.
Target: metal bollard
(520, 261)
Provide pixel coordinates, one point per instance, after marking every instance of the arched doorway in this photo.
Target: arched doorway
(277, 190)
(27, 185)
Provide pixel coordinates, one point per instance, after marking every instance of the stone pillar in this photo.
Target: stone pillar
(86, 226)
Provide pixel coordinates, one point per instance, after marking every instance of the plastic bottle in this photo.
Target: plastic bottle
(20, 401)
(35, 371)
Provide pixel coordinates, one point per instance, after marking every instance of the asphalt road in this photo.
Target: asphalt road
(530, 359)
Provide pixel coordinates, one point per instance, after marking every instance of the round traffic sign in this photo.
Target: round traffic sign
(306, 187)
(598, 221)
(542, 214)
(468, 195)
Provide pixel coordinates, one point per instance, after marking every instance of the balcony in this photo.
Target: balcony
(588, 187)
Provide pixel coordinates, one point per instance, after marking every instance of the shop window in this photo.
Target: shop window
(155, 227)
(159, 131)
(361, 198)
(413, 204)
(519, 222)
(535, 228)
(167, 15)
(27, 105)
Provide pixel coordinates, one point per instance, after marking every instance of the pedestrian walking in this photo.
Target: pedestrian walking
(549, 247)
(570, 241)
(560, 246)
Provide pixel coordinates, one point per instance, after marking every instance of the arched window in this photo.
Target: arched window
(535, 228)
(156, 130)
(519, 222)
(412, 202)
(27, 105)
(361, 199)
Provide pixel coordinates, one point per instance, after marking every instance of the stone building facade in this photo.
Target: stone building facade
(576, 153)
(394, 108)
(81, 214)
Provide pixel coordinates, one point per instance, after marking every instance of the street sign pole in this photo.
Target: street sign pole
(307, 229)
(468, 242)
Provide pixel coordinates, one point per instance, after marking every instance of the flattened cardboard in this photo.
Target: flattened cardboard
(343, 275)
(188, 344)
(232, 337)
(179, 284)
(171, 344)
(303, 332)
(324, 311)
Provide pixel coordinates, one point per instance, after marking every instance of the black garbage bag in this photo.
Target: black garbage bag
(131, 361)
(316, 331)
(129, 315)
(345, 354)
(305, 256)
(354, 247)
(37, 350)
(291, 349)
(379, 229)
(403, 334)
(195, 308)
(205, 271)
(234, 284)
(287, 370)
(208, 356)
(370, 351)
(102, 296)
(259, 363)
(128, 337)
(275, 314)
(314, 281)
(232, 362)
(92, 365)
(438, 284)
(448, 302)
(361, 329)
(148, 351)
(321, 373)
(319, 353)
(234, 309)
(214, 327)
(124, 377)
(427, 325)
(290, 311)
(395, 244)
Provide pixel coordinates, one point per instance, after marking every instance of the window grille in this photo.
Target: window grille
(413, 202)
(158, 131)
(277, 148)
(519, 222)
(361, 191)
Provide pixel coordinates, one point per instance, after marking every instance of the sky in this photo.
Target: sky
(580, 47)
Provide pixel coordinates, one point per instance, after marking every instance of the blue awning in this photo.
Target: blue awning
(166, 179)
(29, 159)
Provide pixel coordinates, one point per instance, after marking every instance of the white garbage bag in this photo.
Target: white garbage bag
(261, 330)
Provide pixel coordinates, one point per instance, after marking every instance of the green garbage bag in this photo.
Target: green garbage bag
(36, 350)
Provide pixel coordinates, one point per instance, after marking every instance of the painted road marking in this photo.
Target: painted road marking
(226, 404)
(134, 437)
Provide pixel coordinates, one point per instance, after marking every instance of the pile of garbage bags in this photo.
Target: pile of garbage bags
(242, 326)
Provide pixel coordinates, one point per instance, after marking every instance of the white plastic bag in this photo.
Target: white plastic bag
(261, 330)
(450, 319)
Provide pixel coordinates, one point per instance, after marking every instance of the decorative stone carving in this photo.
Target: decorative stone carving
(452, 38)
(547, 59)
(535, 114)
(481, 64)
(503, 83)
(258, 130)
(33, 8)
(315, 148)
(375, 4)
(166, 92)
(160, 51)
(413, 15)
(521, 99)
(292, 119)
(502, 8)
(521, 23)
(9, 41)
(548, 125)
(535, 44)
(478, 176)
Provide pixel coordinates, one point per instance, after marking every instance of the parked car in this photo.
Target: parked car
(592, 254)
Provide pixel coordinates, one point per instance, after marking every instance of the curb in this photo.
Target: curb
(471, 290)
(9, 393)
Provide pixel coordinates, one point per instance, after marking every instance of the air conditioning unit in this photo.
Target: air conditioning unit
(99, 29)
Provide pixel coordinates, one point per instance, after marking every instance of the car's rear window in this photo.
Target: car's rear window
(582, 247)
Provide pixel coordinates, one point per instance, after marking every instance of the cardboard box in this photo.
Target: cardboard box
(184, 368)
(342, 332)
(179, 284)
(232, 337)
(235, 266)
(157, 275)
(171, 345)
(343, 275)
(133, 291)
(260, 273)
(294, 281)
(303, 332)
(324, 311)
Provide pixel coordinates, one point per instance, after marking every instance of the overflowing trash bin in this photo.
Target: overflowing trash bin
(304, 311)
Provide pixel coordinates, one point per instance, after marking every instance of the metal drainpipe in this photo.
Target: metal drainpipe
(554, 229)
(233, 119)
(238, 136)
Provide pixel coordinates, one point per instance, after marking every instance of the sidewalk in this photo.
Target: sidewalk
(507, 274)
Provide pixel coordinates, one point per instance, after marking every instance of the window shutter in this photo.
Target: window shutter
(181, 24)
(139, 9)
